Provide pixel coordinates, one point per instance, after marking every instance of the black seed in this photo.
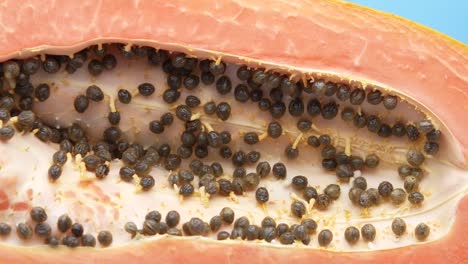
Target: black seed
(112, 134)
(7, 102)
(150, 227)
(174, 81)
(322, 202)
(298, 209)
(365, 200)
(329, 164)
(214, 139)
(281, 229)
(372, 161)
(6, 133)
(347, 114)
(309, 193)
(171, 96)
(325, 237)
(354, 194)
(404, 170)
(172, 218)
(197, 227)
(390, 102)
(313, 141)
(242, 222)
(374, 195)
(251, 138)
(207, 78)
(201, 152)
(318, 86)
(241, 93)
(344, 172)
(88, 240)
(251, 181)
(385, 188)
(223, 111)
(374, 97)
(360, 120)
(299, 182)
(174, 232)
(414, 157)
(81, 103)
(264, 104)
(398, 226)
(328, 152)
(296, 107)
(343, 92)
(385, 131)
(42, 92)
(357, 96)
(373, 124)
(352, 235)
(191, 82)
(146, 89)
(243, 73)
(5, 229)
(153, 215)
(64, 223)
(192, 101)
(259, 76)
(398, 129)
(102, 171)
(186, 190)
(262, 195)
(263, 169)
(104, 238)
(38, 214)
(277, 110)
(71, 241)
(314, 107)
(43, 230)
(415, 198)
(279, 171)
(422, 231)
(225, 152)
(425, 126)
(225, 187)
(287, 238)
(239, 158)
(253, 156)
(26, 103)
(81, 148)
(95, 67)
(54, 172)
(398, 196)
(209, 108)
(125, 97)
(217, 68)
(183, 112)
(304, 125)
(360, 182)
(52, 241)
(412, 132)
(342, 158)
(146, 182)
(24, 231)
(4, 115)
(275, 129)
(433, 135)
(238, 233)
(114, 118)
(256, 95)
(431, 148)
(94, 93)
(131, 228)
(215, 223)
(109, 62)
(223, 85)
(212, 187)
(30, 66)
(51, 65)
(223, 235)
(77, 229)
(329, 110)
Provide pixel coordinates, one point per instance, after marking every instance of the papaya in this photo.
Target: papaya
(230, 131)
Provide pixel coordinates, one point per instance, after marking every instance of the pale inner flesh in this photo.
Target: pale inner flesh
(109, 203)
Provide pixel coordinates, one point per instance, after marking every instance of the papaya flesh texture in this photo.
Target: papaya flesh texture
(309, 41)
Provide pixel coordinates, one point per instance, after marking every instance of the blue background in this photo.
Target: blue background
(447, 16)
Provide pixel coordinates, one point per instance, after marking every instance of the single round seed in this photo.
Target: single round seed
(150, 227)
(357, 96)
(372, 161)
(262, 195)
(354, 194)
(251, 138)
(399, 129)
(299, 182)
(330, 110)
(352, 235)
(192, 101)
(224, 85)
(88, 240)
(360, 120)
(414, 157)
(223, 235)
(6, 133)
(374, 97)
(242, 222)
(309, 193)
(277, 109)
(385, 188)
(360, 182)
(343, 93)
(146, 89)
(109, 62)
(415, 198)
(147, 182)
(398, 196)
(398, 226)
(241, 93)
(333, 191)
(191, 82)
(42, 92)
(5, 229)
(71, 241)
(38, 214)
(186, 190)
(125, 97)
(24, 231)
(264, 104)
(268, 222)
(77, 229)
(215, 223)
(279, 171)
(286, 238)
(223, 111)
(304, 125)
(314, 107)
(296, 107)
(365, 199)
(104, 238)
(43, 230)
(344, 172)
(422, 231)
(94, 93)
(431, 148)
(81, 103)
(54, 172)
(412, 132)
(275, 129)
(243, 73)
(298, 209)
(64, 223)
(325, 237)
(291, 152)
(95, 67)
(328, 152)
(131, 228)
(263, 169)
(390, 102)
(30, 66)
(51, 65)
(385, 131)
(227, 215)
(342, 158)
(368, 232)
(347, 114)
(253, 156)
(373, 123)
(433, 135)
(52, 241)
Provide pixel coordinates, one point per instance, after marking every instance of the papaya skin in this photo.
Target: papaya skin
(352, 41)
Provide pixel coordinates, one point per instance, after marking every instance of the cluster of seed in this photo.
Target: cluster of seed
(69, 234)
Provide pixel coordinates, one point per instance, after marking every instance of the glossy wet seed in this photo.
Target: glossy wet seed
(131, 228)
(279, 171)
(24, 231)
(104, 238)
(38, 214)
(372, 161)
(390, 102)
(416, 198)
(325, 237)
(360, 182)
(333, 191)
(368, 232)
(298, 209)
(215, 223)
(5, 229)
(275, 129)
(352, 235)
(422, 231)
(88, 240)
(385, 188)
(398, 196)
(414, 157)
(411, 183)
(262, 195)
